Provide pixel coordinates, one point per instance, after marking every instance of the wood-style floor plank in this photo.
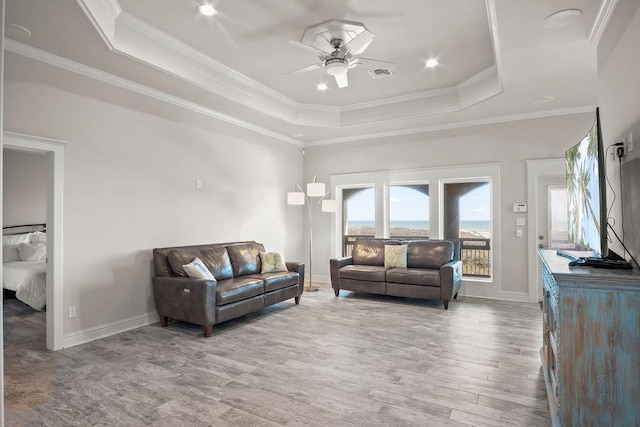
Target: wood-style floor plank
(356, 360)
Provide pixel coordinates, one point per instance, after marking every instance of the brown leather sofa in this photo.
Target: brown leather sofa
(433, 271)
(240, 287)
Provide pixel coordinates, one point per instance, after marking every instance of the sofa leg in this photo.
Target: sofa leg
(207, 330)
(446, 304)
(164, 320)
(337, 291)
(455, 296)
(297, 300)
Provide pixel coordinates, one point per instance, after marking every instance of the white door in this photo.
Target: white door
(541, 175)
(551, 216)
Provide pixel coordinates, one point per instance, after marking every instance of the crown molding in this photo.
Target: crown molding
(111, 79)
(139, 40)
(601, 20)
(454, 125)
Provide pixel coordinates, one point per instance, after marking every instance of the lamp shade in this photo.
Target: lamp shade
(329, 205)
(295, 198)
(315, 189)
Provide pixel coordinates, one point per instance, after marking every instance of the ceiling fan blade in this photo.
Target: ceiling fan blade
(341, 80)
(358, 44)
(305, 69)
(372, 63)
(306, 47)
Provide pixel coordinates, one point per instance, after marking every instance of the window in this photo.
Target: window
(452, 202)
(409, 210)
(558, 221)
(467, 216)
(358, 215)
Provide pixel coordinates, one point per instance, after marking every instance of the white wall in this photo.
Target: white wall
(619, 101)
(509, 143)
(24, 192)
(130, 184)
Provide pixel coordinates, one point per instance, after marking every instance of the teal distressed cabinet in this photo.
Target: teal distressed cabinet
(591, 344)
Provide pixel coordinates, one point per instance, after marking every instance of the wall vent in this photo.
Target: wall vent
(379, 73)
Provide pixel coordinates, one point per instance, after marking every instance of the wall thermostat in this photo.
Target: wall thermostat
(519, 207)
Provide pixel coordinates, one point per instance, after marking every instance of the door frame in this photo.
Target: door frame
(54, 150)
(537, 169)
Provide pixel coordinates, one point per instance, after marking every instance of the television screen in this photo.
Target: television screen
(586, 192)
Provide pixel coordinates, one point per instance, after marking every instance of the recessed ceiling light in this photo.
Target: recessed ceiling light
(562, 18)
(16, 31)
(322, 86)
(542, 100)
(207, 10)
(432, 62)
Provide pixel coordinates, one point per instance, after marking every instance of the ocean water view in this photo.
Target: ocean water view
(468, 229)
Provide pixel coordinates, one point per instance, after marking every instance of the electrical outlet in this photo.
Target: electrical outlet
(629, 144)
(72, 312)
(198, 183)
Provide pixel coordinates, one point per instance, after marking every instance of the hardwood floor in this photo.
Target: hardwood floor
(356, 360)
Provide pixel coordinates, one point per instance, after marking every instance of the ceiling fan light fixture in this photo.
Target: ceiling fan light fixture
(337, 67)
(322, 86)
(207, 10)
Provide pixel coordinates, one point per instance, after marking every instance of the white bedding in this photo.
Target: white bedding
(28, 280)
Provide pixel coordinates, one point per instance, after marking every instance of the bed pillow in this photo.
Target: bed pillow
(16, 239)
(272, 262)
(198, 270)
(38, 237)
(29, 252)
(10, 253)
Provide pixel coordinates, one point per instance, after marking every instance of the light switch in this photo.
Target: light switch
(519, 232)
(521, 221)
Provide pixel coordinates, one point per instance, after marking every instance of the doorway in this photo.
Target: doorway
(54, 150)
(543, 177)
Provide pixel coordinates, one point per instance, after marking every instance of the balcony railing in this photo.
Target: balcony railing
(475, 254)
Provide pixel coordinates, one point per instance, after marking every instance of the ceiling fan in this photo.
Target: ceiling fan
(337, 44)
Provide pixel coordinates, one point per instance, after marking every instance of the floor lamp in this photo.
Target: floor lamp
(314, 198)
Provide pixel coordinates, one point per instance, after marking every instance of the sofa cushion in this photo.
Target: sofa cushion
(371, 273)
(245, 258)
(277, 280)
(429, 253)
(217, 260)
(414, 276)
(395, 256)
(179, 257)
(238, 288)
(370, 251)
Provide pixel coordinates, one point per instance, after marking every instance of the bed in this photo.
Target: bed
(24, 264)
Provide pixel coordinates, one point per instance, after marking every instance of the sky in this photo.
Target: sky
(410, 205)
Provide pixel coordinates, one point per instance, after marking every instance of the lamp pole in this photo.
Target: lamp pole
(299, 197)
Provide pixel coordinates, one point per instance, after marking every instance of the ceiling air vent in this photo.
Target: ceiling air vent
(379, 73)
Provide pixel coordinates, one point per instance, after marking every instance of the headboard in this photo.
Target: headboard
(20, 229)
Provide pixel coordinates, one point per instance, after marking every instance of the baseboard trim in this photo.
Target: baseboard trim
(108, 329)
(515, 296)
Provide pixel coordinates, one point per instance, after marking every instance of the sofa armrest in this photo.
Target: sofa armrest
(335, 265)
(450, 279)
(185, 298)
(297, 267)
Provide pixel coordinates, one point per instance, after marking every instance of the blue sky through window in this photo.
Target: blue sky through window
(410, 205)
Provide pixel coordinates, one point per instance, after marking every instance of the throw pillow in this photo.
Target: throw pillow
(395, 256)
(272, 262)
(29, 252)
(198, 270)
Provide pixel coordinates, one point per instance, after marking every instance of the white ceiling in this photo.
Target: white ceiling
(496, 57)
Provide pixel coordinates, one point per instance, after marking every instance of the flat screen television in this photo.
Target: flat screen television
(586, 192)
